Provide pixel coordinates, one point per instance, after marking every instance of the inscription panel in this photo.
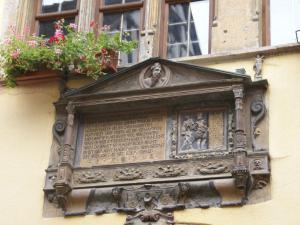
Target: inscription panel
(124, 138)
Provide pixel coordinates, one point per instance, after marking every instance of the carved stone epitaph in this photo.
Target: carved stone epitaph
(158, 137)
(124, 138)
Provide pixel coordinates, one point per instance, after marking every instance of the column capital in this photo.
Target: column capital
(238, 91)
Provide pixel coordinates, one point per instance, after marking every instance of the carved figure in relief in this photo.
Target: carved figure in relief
(195, 133)
(258, 164)
(154, 76)
(258, 66)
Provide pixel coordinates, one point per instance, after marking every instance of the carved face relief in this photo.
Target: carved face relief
(154, 76)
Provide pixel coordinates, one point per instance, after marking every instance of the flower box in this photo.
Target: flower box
(76, 52)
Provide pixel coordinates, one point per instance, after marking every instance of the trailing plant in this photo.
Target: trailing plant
(68, 50)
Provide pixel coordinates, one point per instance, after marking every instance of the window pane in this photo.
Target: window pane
(47, 27)
(131, 20)
(177, 33)
(176, 51)
(130, 35)
(284, 21)
(194, 49)
(113, 20)
(193, 32)
(68, 5)
(129, 58)
(49, 6)
(127, 1)
(178, 13)
(111, 2)
(133, 56)
(200, 27)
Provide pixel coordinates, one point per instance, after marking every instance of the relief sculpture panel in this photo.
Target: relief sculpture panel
(201, 130)
(124, 138)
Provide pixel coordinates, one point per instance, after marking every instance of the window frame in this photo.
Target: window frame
(101, 8)
(266, 28)
(53, 15)
(164, 25)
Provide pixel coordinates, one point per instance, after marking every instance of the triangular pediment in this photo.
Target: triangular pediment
(156, 73)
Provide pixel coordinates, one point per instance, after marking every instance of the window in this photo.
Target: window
(188, 28)
(284, 21)
(123, 16)
(51, 10)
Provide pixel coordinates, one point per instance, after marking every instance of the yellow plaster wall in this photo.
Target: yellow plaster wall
(27, 115)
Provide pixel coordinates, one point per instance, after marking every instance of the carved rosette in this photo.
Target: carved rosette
(128, 174)
(213, 168)
(87, 177)
(170, 171)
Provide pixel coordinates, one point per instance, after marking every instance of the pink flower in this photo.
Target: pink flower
(26, 29)
(32, 43)
(82, 57)
(6, 41)
(73, 25)
(58, 36)
(92, 24)
(16, 54)
(106, 28)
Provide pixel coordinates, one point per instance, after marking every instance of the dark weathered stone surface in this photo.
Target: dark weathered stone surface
(157, 137)
(124, 138)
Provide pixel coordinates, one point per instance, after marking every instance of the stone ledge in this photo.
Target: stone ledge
(240, 54)
(35, 77)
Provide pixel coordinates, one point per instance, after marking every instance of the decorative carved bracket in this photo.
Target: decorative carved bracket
(258, 110)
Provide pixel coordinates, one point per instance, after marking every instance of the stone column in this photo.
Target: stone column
(65, 166)
(240, 171)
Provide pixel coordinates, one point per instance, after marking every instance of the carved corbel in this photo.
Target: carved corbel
(240, 170)
(258, 110)
(62, 184)
(58, 131)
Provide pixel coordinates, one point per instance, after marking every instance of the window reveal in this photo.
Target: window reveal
(284, 21)
(188, 29)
